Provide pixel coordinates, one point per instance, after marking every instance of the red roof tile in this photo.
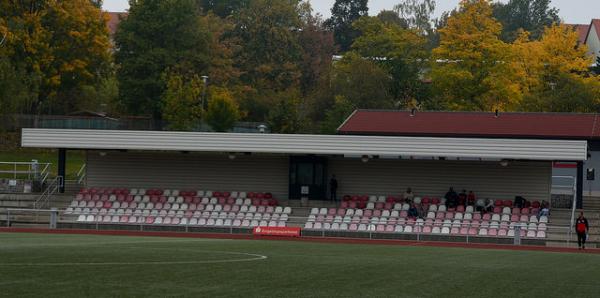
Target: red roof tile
(473, 124)
(582, 31)
(596, 24)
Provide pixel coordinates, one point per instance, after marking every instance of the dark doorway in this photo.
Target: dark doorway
(308, 177)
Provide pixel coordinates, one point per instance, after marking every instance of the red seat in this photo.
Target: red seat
(107, 205)
(150, 220)
(390, 199)
(472, 231)
(379, 205)
(516, 210)
(460, 208)
(154, 198)
(268, 195)
(498, 203)
(344, 204)
(486, 216)
(497, 209)
(535, 204)
(341, 212)
(377, 212)
(388, 206)
(346, 198)
(226, 194)
(449, 215)
(425, 201)
(260, 195)
(222, 201)
(507, 203)
(197, 200)
(435, 201)
(525, 211)
(476, 216)
(493, 232)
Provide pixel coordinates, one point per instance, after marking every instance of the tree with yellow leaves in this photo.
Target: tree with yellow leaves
(469, 68)
(555, 74)
(63, 44)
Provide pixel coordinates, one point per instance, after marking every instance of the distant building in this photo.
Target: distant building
(590, 36)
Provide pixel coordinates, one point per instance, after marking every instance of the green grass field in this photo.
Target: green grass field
(75, 159)
(37, 265)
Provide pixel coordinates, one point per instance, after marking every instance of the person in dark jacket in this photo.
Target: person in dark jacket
(413, 211)
(333, 186)
(582, 228)
(451, 198)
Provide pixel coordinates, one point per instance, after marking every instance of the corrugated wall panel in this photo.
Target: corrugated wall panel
(189, 171)
(433, 178)
(518, 149)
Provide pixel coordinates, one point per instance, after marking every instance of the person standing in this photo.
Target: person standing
(333, 186)
(582, 228)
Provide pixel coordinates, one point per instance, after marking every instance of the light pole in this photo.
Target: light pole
(204, 100)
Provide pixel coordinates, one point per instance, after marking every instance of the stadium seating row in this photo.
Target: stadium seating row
(362, 200)
(434, 230)
(79, 207)
(403, 213)
(151, 220)
(172, 200)
(175, 193)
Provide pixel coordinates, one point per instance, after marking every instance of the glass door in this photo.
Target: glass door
(308, 177)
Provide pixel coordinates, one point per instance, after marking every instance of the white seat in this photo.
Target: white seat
(436, 230)
(405, 207)
(158, 220)
(506, 210)
(317, 226)
(533, 219)
(445, 231)
(468, 216)
(496, 217)
(308, 225)
(213, 201)
(483, 232)
(398, 229)
(82, 218)
(362, 227)
(458, 215)
(408, 229)
(370, 205)
(323, 211)
(505, 217)
(314, 211)
(398, 206)
(252, 209)
(442, 208)
(469, 209)
(242, 195)
(287, 210)
(278, 209)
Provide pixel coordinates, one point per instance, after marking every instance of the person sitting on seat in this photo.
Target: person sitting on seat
(462, 197)
(471, 198)
(519, 202)
(451, 198)
(544, 209)
(408, 196)
(489, 205)
(480, 205)
(413, 211)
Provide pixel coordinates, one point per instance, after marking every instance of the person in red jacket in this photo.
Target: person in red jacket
(582, 228)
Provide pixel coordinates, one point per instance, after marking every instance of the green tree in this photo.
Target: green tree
(340, 111)
(401, 52)
(417, 14)
(158, 35)
(287, 116)
(222, 110)
(223, 8)
(181, 101)
(362, 82)
(470, 68)
(529, 15)
(343, 14)
(269, 53)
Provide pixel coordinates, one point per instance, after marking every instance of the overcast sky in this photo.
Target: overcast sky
(571, 11)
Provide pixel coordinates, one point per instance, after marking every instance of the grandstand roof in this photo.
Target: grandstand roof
(473, 124)
(383, 146)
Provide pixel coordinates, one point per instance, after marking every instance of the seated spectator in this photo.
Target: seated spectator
(489, 205)
(451, 198)
(480, 205)
(519, 202)
(408, 195)
(462, 197)
(471, 198)
(422, 211)
(544, 209)
(413, 211)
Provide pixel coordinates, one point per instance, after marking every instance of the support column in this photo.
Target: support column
(62, 160)
(579, 192)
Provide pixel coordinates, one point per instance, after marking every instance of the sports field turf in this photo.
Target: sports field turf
(44, 265)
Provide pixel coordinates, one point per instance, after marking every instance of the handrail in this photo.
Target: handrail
(28, 171)
(81, 174)
(44, 198)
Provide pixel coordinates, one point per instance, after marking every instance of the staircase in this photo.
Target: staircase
(558, 228)
(591, 203)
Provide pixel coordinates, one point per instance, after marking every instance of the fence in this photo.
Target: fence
(45, 217)
(23, 177)
(16, 122)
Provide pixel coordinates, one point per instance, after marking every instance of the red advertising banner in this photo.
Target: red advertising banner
(277, 231)
(564, 165)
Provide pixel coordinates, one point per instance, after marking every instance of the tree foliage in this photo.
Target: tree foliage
(158, 35)
(182, 101)
(222, 111)
(532, 16)
(62, 45)
(343, 14)
(469, 68)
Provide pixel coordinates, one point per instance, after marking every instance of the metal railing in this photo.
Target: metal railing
(67, 221)
(81, 174)
(28, 170)
(43, 201)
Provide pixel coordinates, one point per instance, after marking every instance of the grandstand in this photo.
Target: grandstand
(231, 183)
